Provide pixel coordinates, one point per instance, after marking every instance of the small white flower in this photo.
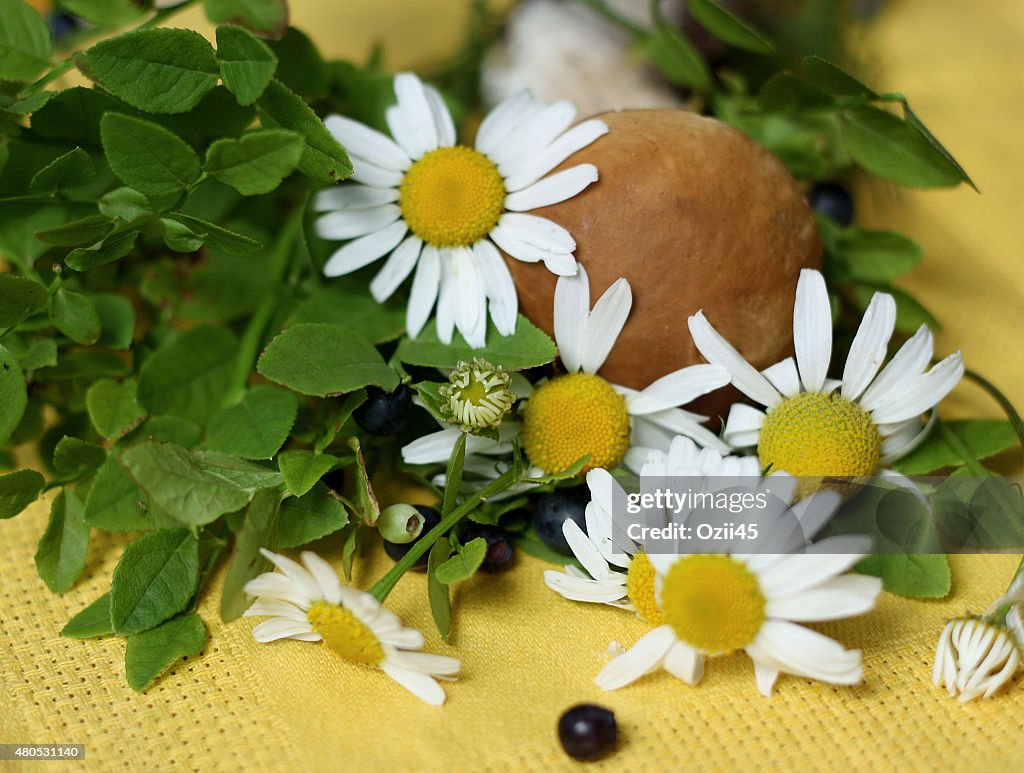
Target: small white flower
(815, 426)
(310, 604)
(975, 658)
(444, 209)
(477, 395)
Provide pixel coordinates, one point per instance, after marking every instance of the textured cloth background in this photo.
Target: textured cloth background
(528, 654)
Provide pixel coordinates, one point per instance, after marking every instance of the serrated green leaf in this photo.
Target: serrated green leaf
(726, 26)
(13, 396)
(146, 156)
(256, 427)
(528, 347)
(147, 655)
(92, 621)
(113, 408)
(257, 162)
(19, 297)
(218, 238)
(154, 580)
(126, 204)
(116, 503)
(834, 79)
(437, 592)
(891, 148)
(156, 70)
(70, 170)
(74, 456)
(246, 63)
(75, 316)
(112, 247)
(324, 360)
(241, 473)
(18, 490)
(179, 237)
(983, 437)
(190, 375)
(117, 320)
(73, 115)
(677, 58)
(310, 517)
(64, 545)
(25, 42)
(915, 576)
(301, 68)
(182, 484)
(259, 530)
(266, 17)
(464, 563)
(107, 13)
(323, 158)
(349, 305)
(878, 256)
(86, 230)
(302, 469)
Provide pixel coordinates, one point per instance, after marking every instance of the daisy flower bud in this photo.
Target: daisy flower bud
(975, 657)
(477, 396)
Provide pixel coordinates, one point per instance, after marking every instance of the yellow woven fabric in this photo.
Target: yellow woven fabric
(528, 654)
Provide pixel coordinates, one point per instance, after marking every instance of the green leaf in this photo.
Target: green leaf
(73, 115)
(70, 170)
(179, 237)
(323, 158)
(113, 408)
(878, 256)
(217, 238)
(324, 360)
(75, 316)
(156, 70)
(983, 437)
(528, 347)
(437, 592)
(112, 247)
(246, 63)
(181, 484)
(464, 564)
(18, 490)
(255, 428)
(147, 655)
(913, 120)
(350, 305)
(532, 545)
(257, 162)
(34, 353)
(190, 375)
(61, 554)
(833, 79)
(13, 397)
(19, 297)
(75, 457)
(921, 576)
(301, 68)
(154, 580)
(107, 13)
(677, 58)
(910, 314)
(146, 156)
(366, 506)
(453, 475)
(241, 473)
(170, 429)
(895, 150)
(84, 231)
(259, 530)
(725, 25)
(266, 17)
(302, 469)
(785, 92)
(116, 503)
(92, 621)
(26, 46)
(117, 318)
(126, 204)
(310, 517)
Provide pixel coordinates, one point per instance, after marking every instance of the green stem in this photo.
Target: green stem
(386, 583)
(52, 74)
(960, 448)
(1003, 400)
(164, 14)
(615, 17)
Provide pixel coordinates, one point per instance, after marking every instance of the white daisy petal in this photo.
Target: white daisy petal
(425, 286)
(538, 231)
(537, 132)
(425, 662)
(604, 325)
(431, 449)
(812, 329)
(870, 345)
(325, 576)
(905, 437)
(577, 138)
(415, 115)
(279, 628)
(845, 596)
(571, 308)
(374, 176)
(294, 572)
(268, 607)
(470, 297)
(907, 364)
(924, 392)
(360, 140)
(584, 550)
(501, 289)
(442, 117)
(272, 585)
(563, 264)
(396, 269)
(447, 299)
(363, 251)
(784, 377)
(684, 662)
(584, 589)
(353, 197)
(420, 685)
(406, 638)
(804, 652)
(743, 426)
(504, 118)
(765, 677)
(682, 422)
(551, 190)
(348, 224)
(801, 571)
(718, 351)
(678, 388)
(642, 658)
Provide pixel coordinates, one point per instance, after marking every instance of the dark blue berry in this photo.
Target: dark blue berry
(556, 508)
(430, 519)
(63, 24)
(833, 201)
(499, 549)
(384, 413)
(587, 732)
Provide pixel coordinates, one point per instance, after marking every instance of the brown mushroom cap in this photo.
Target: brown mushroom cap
(696, 216)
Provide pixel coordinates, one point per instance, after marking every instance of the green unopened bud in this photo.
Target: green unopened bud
(400, 524)
(477, 395)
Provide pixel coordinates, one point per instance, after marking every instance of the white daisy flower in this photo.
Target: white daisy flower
(444, 209)
(580, 413)
(975, 657)
(816, 426)
(310, 604)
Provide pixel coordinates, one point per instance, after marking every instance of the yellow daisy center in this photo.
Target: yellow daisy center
(345, 633)
(817, 434)
(573, 416)
(713, 603)
(452, 197)
(640, 587)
